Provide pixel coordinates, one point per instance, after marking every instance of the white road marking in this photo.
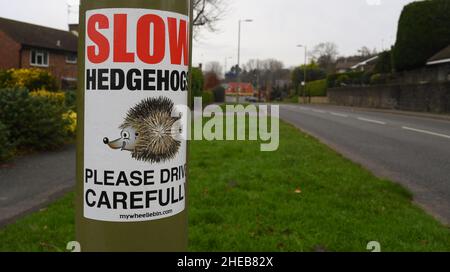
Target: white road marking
(339, 114)
(427, 132)
(371, 121)
(318, 111)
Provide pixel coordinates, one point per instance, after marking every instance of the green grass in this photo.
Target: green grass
(245, 200)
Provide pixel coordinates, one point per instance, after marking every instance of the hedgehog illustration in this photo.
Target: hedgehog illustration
(149, 131)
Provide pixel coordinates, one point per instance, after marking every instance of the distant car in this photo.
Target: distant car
(251, 99)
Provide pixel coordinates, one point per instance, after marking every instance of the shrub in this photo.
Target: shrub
(350, 78)
(423, 30)
(35, 121)
(208, 98)
(196, 84)
(317, 88)
(6, 147)
(384, 63)
(31, 79)
(343, 80)
(219, 94)
(71, 100)
(71, 118)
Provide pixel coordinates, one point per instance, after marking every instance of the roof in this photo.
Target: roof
(39, 36)
(245, 88)
(442, 56)
(365, 62)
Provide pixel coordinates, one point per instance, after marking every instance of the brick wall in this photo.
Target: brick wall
(57, 64)
(9, 52)
(429, 97)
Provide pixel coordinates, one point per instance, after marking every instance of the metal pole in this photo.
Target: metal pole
(304, 77)
(238, 91)
(132, 196)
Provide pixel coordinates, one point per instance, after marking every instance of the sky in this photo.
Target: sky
(277, 27)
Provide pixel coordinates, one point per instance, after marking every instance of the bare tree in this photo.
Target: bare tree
(207, 13)
(325, 54)
(214, 67)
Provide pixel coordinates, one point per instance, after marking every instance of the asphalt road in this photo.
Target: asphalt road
(31, 182)
(414, 151)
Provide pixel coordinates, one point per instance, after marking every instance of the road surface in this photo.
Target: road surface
(414, 151)
(33, 181)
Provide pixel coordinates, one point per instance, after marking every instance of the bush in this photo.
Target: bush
(423, 30)
(31, 79)
(71, 100)
(219, 94)
(384, 63)
(35, 121)
(6, 148)
(196, 84)
(208, 98)
(317, 88)
(350, 78)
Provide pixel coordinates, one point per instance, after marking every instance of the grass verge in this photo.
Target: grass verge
(303, 197)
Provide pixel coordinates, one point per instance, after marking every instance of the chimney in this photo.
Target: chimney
(74, 29)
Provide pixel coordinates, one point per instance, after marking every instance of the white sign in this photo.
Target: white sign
(136, 74)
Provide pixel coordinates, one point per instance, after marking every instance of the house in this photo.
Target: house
(25, 45)
(243, 89)
(355, 63)
(244, 92)
(442, 57)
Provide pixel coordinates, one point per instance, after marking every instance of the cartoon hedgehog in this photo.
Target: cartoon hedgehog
(149, 131)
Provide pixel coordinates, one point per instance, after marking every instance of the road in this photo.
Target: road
(33, 181)
(413, 151)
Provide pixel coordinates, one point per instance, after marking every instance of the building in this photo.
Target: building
(245, 91)
(442, 57)
(355, 63)
(25, 45)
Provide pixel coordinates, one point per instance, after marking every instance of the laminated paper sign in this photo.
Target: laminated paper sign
(136, 76)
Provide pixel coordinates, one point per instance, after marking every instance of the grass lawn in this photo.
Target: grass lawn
(304, 197)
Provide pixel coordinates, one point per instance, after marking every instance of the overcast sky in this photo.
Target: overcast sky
(279, 25)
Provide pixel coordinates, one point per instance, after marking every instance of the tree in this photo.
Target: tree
(211, 80)
(207, 13)
(214, 67)
(325, 54)
(197, 84)
(423, 30)
(313, 72)
(364, 51)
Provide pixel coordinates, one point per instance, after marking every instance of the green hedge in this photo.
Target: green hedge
(196, 84)
(6, 147)
(208, 98)
(317, 88)
(35, 121)
(219, 94)
(30, 79)
(423, 30)
(351, 78)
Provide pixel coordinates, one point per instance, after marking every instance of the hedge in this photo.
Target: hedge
(351, 78)
(6, 147)
(196, 84)
(30, 79)
(208, 98)
(35, 120)
(317, 88)
(423, 30)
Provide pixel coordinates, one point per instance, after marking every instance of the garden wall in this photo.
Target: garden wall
(429, 97)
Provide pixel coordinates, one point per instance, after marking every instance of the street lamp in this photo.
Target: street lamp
(304, 69)
(239, 58)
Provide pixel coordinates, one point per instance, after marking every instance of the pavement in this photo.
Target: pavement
(31, 182)
(409, 149)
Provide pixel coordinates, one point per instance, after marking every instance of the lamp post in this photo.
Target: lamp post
(239, 58)
(304, 70)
